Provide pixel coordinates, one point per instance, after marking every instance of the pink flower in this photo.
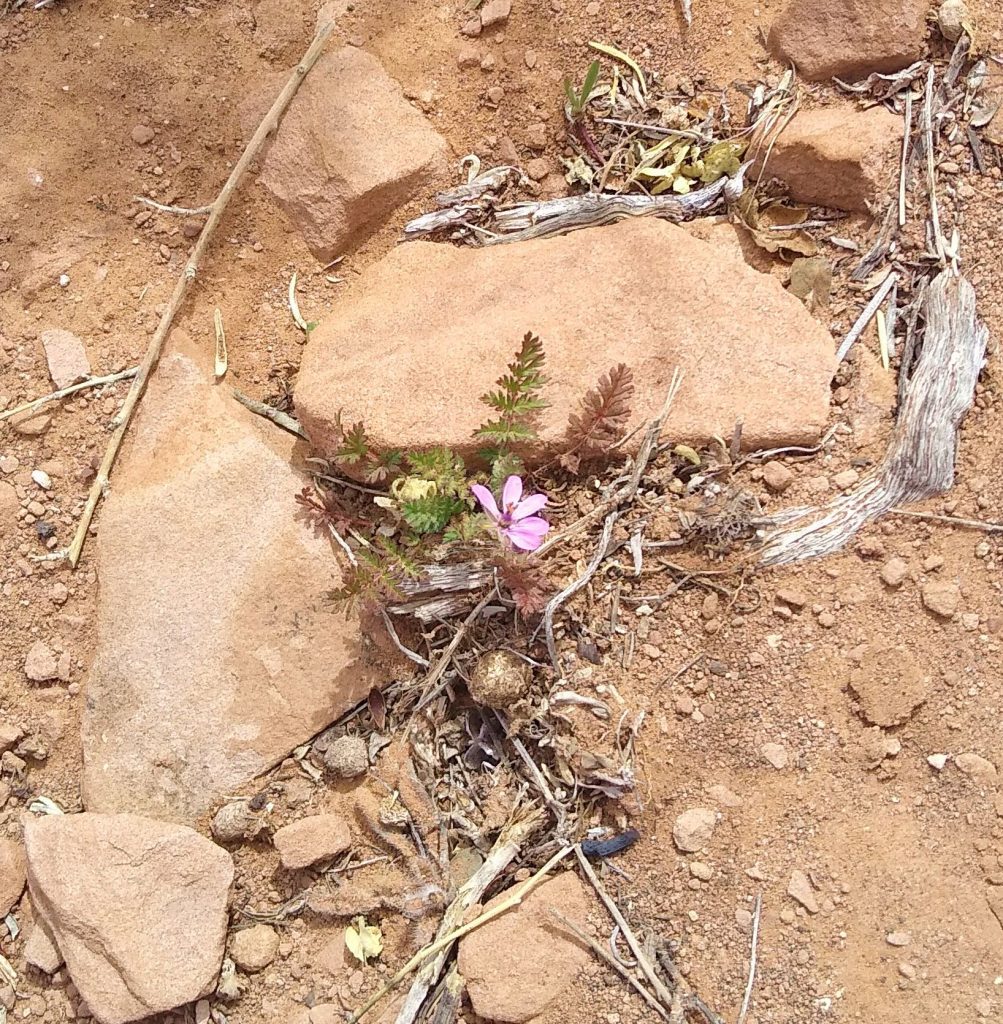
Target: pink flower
(515, 520)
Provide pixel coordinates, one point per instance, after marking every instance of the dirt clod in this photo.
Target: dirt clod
(693, 829)
(500, 679)
(347, 757)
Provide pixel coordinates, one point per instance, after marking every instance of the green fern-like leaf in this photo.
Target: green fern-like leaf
(431, 514)
(377, 576)
(354, 445)
(517, 399)
(466, 528)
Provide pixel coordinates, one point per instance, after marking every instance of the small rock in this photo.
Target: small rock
(702, 871)
(142, 135)
(941, 597)
(309, 840)
(898, 938)
(235, 821)
(933, 562)
(326, 1013)
(796, 599)
(536, 136)
(776, 754)
(743, 918)
(724, 796)
(468, 57)
(800, 889)
(29, 424)
(531, 59)
(330, 958)
(694, 828)
(952, 16)
(253, 949)
(471, 28)
(777, 477)
(42, 478)
(975, 765)
(495, 12)
(500, 679)
(889, 684)
(538, 168)
(40, 949)
(347, 757)
(845, 479)
(9, 735)
(907, 970)
(937, 761)
(495, 95)
(9, 463)
(13, 874)
(895, 571)
(202, 1011)
(41, 663)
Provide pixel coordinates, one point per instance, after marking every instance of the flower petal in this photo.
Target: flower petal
(528, 534)
(511, 492)
(528, 506)
(486, 500)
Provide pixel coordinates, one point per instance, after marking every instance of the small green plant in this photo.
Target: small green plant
(578, 100)
(377, 577)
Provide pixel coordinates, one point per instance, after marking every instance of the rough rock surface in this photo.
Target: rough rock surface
(40, 949)
(12, 874)
(218, 651)
(66, 356)
(518, 965)
(349, 151)
(693, 828)
(890, 684)
(254, 948)
(309, 840)
(850, 38)
(138, 908)
(837, 156)
(436, 325)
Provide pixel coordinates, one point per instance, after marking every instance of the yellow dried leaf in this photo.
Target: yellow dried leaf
(364, 941)
(684, 451)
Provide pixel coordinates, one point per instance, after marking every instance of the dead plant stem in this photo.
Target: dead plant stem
(757, 914)
(147, 366)
(91, 382)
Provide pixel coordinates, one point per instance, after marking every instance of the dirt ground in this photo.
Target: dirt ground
(892, 846)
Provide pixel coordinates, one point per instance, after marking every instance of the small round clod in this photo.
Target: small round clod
(499, 679)
(234, 821)
(952, 17)
(347, 757)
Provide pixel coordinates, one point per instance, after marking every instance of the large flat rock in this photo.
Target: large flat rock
(137, 908)
(430, 328)
(218, 650)
(849, 39)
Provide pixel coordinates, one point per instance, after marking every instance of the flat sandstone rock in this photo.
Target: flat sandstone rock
(849, 39)
(218, 649)
(137, 908)
(431, 327)
(349, 151)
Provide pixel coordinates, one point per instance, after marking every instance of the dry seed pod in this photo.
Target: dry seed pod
(499, 679)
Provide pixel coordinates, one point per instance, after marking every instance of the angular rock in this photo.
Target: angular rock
(693, 828)
(436, 325)
(941, 597)
(13, 874)
(975, 765)
(895, 571)
(776, 754)
(518, 965)
(40, 663)
(40, 949)
(777, 476)
(66, 356)
(889, 684)
(495, 12)
(839, 156)
(138, 908)
(309, 840)
(349, 151)
(800, 889)
(218, 651)
(849, 39)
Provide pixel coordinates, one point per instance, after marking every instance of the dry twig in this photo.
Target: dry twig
(91, 382)
(752, 959)
(269, 412)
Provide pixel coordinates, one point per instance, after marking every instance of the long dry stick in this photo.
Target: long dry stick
(91, 382)
(146, 367)
(445, 941)
(752, 959)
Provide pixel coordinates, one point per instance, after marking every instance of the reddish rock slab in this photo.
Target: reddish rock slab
(849, 39)
(66, 357)
(137, 908)
(838, 156)
(12, 874)
(349, 151)
(431, 327)
(218, 648)
(309, 840)
(518, 965)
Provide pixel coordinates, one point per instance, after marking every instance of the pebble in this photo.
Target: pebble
(975, 765)
(907, 970)
(468, 57)
(234, 821)
(937, 761)
(253, 949)
(142, 134)
(941, 597)
(845, 479)
(743, 918)
(898, 938)
(471, 28)
(693, 829)
(827, 620)
(9, 463)
(202, 1012)
(40, 663)
(800, 889)
(792, 598)
(951, 18)
(531, 59)
(495, 12)
(776, 754)
(702, 871)
(42, 479)
(347, 757)
(495, 94)
(538, 168)
(895, 571)
(777, 477)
